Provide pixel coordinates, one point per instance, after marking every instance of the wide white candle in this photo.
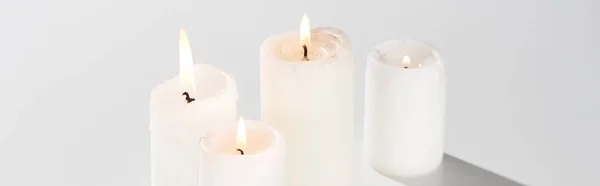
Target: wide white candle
(251, 155)
(404, 113)
(176, 126)
(309, 98)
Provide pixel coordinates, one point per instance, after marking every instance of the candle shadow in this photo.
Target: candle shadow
(455, 172)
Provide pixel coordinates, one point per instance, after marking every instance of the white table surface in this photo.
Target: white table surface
(452, 172)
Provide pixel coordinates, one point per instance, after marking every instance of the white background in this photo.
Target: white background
(523, 81)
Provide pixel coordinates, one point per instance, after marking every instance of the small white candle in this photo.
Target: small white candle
(178, 121)
(307, 93)
(405, 103)
(251, 155)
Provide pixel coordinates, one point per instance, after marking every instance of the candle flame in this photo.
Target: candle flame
(405, 61)
(186, 64)
(241, 134)
(305, 31)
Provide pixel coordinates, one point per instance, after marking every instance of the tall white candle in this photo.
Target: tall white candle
(176, 126)
(251, 155)
(405, 103)
(310, 100)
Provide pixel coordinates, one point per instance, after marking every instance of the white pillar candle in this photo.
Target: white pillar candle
(404, 111)
(176, 126)
(261, 164)
(310, 100)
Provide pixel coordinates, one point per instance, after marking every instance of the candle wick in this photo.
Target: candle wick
(405, 67)
(305, 58)
(187, 97)
(241, 151)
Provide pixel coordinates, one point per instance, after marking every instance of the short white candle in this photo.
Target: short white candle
(310, 100)
(405, 103)
(251, 155)
(176, 126)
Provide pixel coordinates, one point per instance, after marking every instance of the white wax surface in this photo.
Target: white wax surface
(312, 104)
(261, 165)
(420, 54)
(258, 140)
(404, 113)
(176, 126)
(325, 44)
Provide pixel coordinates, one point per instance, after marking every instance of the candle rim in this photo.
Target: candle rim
(229, 85)
(375, 56)
(276, 139)
(274, 42)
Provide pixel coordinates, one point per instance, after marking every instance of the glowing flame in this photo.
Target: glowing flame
(241, 134)
(405, 61)
(305, 31)
(186, 64)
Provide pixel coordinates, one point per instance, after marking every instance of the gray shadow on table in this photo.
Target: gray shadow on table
(455, 172)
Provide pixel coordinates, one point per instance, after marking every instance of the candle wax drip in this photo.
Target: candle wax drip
(187, 97)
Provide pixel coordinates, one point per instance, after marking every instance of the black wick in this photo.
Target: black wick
(305, 58)
(241, 151)
(187, 97)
